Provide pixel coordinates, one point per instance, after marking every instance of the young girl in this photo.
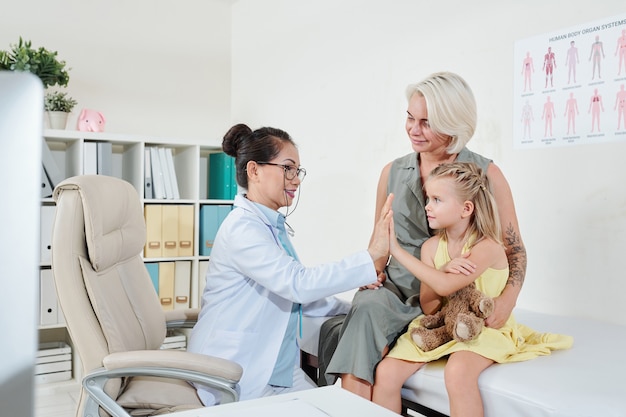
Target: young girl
(463, 210)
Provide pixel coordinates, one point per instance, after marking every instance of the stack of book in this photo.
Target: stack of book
(222, 183)
(172, 283)
(98, 158)
(160, 180)
(54, 362)
(211, 218)
(169, 230)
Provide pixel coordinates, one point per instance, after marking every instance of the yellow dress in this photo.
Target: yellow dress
(513, 342)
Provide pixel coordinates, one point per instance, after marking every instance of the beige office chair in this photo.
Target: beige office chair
(112, 311)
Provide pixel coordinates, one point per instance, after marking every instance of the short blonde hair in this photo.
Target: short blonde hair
(451, 107)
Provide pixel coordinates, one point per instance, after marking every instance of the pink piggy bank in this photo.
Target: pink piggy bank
(90, 121)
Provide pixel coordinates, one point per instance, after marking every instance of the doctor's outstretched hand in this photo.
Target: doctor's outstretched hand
(379, 244)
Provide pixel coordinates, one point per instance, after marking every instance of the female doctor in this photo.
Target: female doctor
(256, 288)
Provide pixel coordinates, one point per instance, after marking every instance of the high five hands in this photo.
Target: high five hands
(379, 244)
(384, 243)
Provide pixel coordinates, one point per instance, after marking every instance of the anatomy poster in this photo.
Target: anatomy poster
(570, 86)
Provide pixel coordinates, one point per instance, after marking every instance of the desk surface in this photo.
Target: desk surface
(319, 402)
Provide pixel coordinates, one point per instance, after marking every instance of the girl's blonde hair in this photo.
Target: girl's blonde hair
(471, 184)
(450, 105)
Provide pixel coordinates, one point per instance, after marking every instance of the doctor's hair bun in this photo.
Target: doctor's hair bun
(234, 137)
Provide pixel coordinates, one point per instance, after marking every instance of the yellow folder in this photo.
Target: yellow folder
(182, 285)
(185, 230)
(169, 224)
(166, 285)
(152, 213)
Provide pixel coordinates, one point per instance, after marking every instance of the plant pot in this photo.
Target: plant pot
(57, 119)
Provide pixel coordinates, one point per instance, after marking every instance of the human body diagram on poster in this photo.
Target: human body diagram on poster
(570, 86)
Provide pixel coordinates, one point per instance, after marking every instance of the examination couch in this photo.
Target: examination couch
(587, 380)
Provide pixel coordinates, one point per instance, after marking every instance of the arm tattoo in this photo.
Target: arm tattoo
(516, 254)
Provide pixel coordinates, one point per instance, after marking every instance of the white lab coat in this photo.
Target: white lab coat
(251, 285)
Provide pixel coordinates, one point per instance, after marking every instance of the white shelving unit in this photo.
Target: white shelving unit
(191, 166)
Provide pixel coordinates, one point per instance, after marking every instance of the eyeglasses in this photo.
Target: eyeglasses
(290, 170)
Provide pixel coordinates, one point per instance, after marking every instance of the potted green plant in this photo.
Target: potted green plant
(58, 105)
(41, 62)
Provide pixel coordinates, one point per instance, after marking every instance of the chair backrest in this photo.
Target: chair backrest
(104, 289)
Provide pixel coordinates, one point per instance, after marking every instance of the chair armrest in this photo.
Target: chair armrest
(214, 372)
(181, 319)
(174, 359)
(94, 384)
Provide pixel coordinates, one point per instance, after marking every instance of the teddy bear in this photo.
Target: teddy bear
(461, 318)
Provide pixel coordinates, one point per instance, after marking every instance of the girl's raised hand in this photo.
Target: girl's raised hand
(379, 245)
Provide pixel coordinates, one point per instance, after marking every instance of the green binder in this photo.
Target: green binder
(222, 182)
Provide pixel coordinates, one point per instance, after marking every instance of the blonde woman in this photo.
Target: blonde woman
(440, 121)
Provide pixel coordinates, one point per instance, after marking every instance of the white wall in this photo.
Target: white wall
(152, 67)
(333, 73)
